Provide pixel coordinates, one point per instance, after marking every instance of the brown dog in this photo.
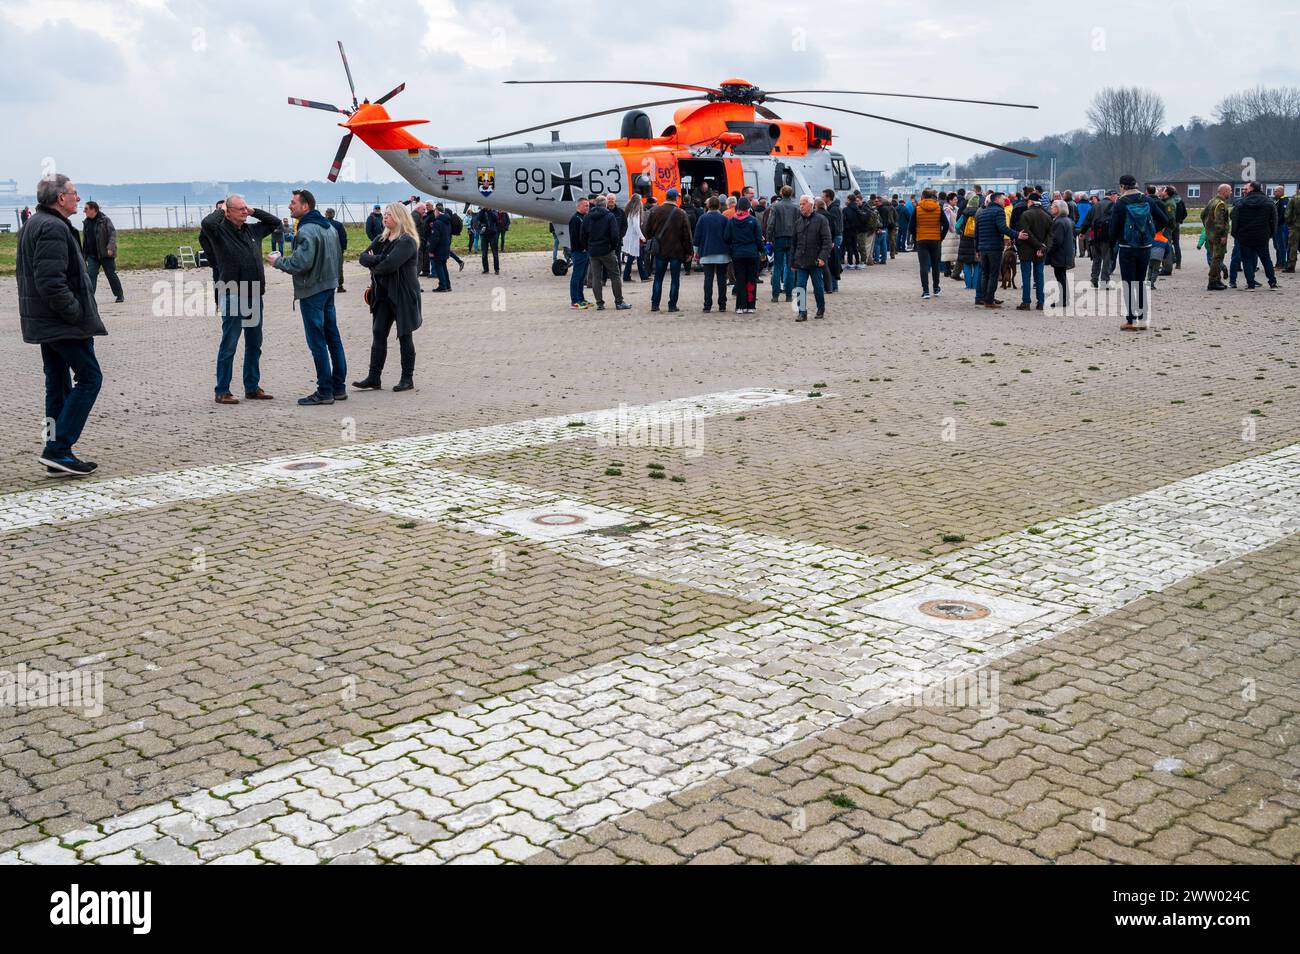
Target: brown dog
(1009, 263)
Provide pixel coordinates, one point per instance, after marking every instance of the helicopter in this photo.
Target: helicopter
(725, 136)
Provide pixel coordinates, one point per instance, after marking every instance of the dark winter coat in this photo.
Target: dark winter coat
(811, 241)
(55, 302)
(237, 251)
(394, 267)
(1255, 221)
(1060, 247)
(671, 229)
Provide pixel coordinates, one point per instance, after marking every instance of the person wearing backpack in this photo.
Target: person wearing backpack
(1134, 221)
(489, 233)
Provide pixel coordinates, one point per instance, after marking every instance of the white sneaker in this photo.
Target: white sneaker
(924, 295)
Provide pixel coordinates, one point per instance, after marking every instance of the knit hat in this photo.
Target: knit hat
(742, 204)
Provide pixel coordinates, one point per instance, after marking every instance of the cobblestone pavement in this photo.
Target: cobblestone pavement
(916, 583)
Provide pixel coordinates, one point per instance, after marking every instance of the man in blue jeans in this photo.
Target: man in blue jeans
(669, 227)
(57, 310)
(780, 227)
(810, 250)
(235, 245)
(315, 265)
(578, 248)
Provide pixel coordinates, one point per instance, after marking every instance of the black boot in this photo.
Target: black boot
(405, 384)
(369, 383)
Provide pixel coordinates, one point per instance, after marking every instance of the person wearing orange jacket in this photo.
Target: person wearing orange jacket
(928, 226)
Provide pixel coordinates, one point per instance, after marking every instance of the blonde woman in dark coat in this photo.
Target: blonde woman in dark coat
(394, 295)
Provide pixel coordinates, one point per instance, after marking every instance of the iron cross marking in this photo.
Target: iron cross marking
(567, 180)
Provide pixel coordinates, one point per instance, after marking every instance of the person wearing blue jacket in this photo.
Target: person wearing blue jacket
(745, 241)
(712, 252)
(1082, 203)
(990, 228)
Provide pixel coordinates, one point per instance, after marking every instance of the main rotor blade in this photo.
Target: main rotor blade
(603, 112)
(765, 112)
(338, 157)
(699, 89)
(311, 104)
(903, 122)
(868, 92)
(389, 95)
(347, 69)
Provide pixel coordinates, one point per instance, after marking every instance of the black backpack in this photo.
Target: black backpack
(171, 261)
(457, 224)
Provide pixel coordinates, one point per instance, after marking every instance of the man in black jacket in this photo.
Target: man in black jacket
(236, 248)
(810, 250)
(1253, 227)
(57, 311)
(578, 249)
(374, 223)
(1096, 227)
(489, 233)
(99, 248)
(600, 235)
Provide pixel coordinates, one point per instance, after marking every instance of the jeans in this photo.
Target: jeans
(1279, 243)
(716, 274)
(440, 271)
(628, 261)
(602, 267)
(880, 247)
(321, 327)
(968, 273)
(782, 277)
(555, 247)
(1234, 264)
(928, 255)
(384, 320)
(746, 270)
(1032, 267)
(801, 276)
(663, 265)
(1249, 253)
(489, 242)
(577, 276)
(991, 266)
(109, 265)
(232, 323)
(67, 405)
(1133, 264)
(473, 241)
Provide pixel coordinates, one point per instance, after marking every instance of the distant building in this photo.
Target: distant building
(869, 180)
(1197, 183)
(8, 186)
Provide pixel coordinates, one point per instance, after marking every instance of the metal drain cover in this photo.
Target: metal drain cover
(558, 519)
(954, 609)
(299, 465)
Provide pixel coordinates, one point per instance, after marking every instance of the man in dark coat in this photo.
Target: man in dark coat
(57, 310)
(810, 250)
(668, 227)
(440, 245)
(488, 224)
(1253, 227)
(241, 275)
(343, 242)
(601, 236)
(99, 248)
(375, 224)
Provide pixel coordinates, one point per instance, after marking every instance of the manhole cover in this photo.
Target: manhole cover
(558, 519)
(757, 397)
(953, 609)
(306, 465)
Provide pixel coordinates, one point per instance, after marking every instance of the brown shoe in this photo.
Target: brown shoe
(227, 398)
(1129, 327)
(1023, 306)
(258, 395)
(992, 305)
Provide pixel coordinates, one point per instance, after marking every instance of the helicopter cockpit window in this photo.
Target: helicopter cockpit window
(840, 170)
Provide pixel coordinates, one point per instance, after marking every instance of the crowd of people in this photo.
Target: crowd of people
(981, 238)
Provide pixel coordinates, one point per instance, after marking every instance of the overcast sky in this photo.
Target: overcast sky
(163, 90)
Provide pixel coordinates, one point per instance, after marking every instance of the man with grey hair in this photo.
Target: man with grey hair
(236, 249)
(57, 309)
